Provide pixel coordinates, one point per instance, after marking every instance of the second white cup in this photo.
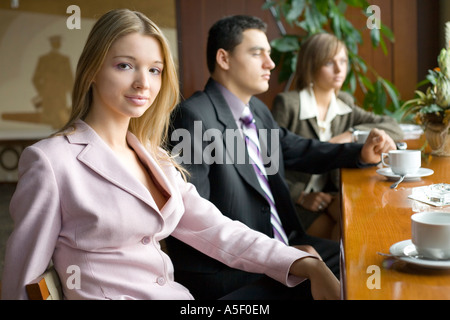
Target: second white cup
(402, 162)
(430, 233)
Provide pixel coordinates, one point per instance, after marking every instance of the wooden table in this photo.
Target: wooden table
(375, 217)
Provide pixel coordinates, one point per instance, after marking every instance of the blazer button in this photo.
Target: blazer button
(145, 240)
(161, 281)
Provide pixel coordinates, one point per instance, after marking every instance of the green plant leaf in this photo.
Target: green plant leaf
(392, 92)
(313, 16)
(431, 108)
(286, 43)
(295, 11)
(357, 3)
(336, 22)
(269, 4)
(375, 37)
(366, 82)
(423, 82)
(386, 32)
(352, 82)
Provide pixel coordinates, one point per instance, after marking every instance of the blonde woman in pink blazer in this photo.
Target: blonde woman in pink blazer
(98, 197)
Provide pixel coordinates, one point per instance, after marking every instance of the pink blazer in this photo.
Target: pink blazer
(77, 204)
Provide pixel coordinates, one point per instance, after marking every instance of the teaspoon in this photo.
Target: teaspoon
(398, 182)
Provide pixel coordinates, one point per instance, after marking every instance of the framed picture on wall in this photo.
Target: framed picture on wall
(39, 55)
(40, 43)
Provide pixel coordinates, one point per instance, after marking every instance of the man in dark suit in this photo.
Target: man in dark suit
(207, 132)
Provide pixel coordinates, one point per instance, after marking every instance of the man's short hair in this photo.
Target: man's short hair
(227, 34)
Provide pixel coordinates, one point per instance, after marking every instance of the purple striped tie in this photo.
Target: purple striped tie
(251, 139)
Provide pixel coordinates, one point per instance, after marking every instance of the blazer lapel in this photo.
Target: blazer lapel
(226, 120)
(312, 122)
(153, 168)
(101, 159)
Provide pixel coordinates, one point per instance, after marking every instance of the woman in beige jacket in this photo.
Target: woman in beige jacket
(317, 109)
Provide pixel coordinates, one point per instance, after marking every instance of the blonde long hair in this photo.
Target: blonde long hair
(152, 127)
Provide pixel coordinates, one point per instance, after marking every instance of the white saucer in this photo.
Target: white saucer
(422, 172)
(406, 247)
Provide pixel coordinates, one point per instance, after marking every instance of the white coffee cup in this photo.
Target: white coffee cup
(402, 162)
(360, 136)
(430, 233)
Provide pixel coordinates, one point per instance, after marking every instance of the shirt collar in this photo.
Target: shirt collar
(234, 103)
(307, 98)
(308, 103)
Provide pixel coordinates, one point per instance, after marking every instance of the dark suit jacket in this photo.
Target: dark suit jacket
(234, 187)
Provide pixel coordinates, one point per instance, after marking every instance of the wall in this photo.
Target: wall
(36, 44)
(195, 17)
(408, 59)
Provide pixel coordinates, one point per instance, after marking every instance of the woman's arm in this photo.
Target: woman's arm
(35, 209)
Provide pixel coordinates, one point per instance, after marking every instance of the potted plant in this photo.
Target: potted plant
(308, 17)
(431, 108)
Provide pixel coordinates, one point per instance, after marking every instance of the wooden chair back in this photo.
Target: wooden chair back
(45, 287)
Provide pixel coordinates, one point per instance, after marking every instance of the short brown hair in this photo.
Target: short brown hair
(313, 54)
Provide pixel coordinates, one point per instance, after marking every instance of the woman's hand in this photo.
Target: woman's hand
(315, 201)
(324, 284)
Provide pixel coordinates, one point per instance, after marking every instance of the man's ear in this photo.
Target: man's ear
(222, 59)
